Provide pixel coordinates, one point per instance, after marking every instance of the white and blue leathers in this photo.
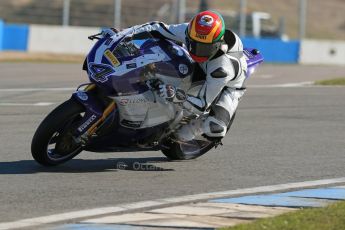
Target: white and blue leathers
(223, 88)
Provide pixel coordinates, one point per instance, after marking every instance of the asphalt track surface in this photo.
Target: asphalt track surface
(280, 135)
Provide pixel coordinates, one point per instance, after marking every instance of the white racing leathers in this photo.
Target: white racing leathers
(222, 90)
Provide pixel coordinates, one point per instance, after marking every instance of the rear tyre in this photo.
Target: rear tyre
(174, 151)
(53, 142)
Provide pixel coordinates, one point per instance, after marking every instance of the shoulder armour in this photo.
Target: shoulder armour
(219, 73)
(229, 38)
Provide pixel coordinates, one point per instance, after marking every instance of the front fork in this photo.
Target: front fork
(97, 111)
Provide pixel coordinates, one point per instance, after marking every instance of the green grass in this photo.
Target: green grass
(328, 218)
(336, 81)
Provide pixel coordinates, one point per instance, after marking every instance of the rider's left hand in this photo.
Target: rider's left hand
(171, 93)
(167, 91)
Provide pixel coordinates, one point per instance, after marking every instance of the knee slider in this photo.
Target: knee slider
(214, 127)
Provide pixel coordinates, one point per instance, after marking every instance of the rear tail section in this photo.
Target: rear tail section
(254, 58)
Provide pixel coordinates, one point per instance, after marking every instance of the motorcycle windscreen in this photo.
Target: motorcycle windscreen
(142, 57)
(136, 65)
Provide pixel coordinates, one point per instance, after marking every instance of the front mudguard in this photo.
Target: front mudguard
(97, 109)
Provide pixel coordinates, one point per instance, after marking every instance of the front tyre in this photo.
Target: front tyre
(53, 142)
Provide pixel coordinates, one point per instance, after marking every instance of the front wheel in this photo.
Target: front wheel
(53, 142)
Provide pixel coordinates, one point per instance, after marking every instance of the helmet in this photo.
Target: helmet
(205, 35)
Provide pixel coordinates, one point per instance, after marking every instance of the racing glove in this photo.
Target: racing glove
(171, 93)
(176, 95)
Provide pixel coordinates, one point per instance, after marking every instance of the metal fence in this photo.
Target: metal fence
(100, 13)
(277, 17)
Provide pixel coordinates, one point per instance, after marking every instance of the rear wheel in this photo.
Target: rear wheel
(188, 150)
(53, 142)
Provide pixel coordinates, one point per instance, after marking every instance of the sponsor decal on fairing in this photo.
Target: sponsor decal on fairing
(132, 101)
(82, 95)
(87, 123)
(131, 66)
(183, 68)
(111, 58)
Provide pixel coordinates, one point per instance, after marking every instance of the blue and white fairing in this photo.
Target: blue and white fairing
(122, 64)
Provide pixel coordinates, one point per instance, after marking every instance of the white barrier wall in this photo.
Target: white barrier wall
(322, 52)
(61, 40)
(73, 40)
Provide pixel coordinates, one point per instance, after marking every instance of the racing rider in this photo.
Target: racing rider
(219, 53)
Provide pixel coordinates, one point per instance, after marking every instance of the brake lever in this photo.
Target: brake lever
(95, 36)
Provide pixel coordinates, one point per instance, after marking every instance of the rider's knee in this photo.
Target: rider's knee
(214, 128)
(221, 114)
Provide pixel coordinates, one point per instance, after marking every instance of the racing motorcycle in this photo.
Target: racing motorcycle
(119, 110)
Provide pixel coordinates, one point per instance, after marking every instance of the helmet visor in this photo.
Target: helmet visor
(203, 49)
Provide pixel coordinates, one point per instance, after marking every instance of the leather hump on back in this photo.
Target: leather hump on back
(229, 38)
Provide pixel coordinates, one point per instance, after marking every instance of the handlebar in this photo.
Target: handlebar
(95, 36)
(103, 33)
